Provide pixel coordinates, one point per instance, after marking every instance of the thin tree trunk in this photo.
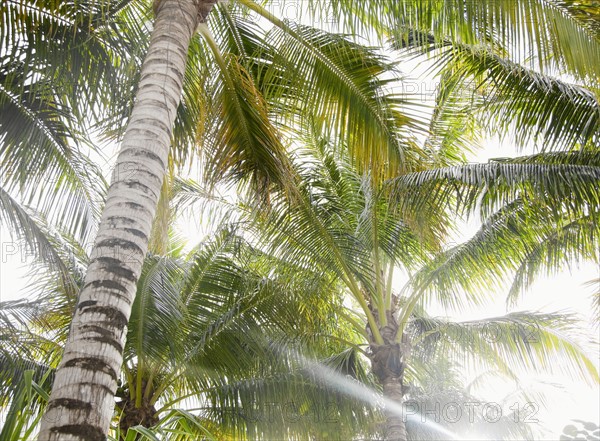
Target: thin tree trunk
(387, 364)
(395, 424)
(82, 400)
(388, 367)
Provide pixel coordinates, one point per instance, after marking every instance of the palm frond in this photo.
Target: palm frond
(194, 114)
(584, 13)
(74, 45)
(245, 142)
(175, 425)
(520, 339)
(23, 349)
(33, 234)
(544, 34)
(347, 85)
(536, 107)
(302, 394)
(39, 157)
(25, 410)
(489, 186)
(155, 333)
(513, 246)
(573, 242)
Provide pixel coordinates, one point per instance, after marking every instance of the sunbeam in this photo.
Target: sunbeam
(357, 390)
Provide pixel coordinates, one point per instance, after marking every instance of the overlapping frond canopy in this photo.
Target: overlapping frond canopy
(514, 101)
(219, 327)
(340, 223)
(52, 53)
(42, 164)
(198, 325)
(516, 341)
(540, 213)
(75, 44)
(547, 35)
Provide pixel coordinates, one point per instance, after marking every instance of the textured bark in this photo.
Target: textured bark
(388, 367)
(395, 424)
(132, 415)
(82, 400)
(387, 364)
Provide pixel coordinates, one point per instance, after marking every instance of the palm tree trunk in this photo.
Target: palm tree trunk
(388, 367)
(82, 400)
(388, 364)
(395, 424)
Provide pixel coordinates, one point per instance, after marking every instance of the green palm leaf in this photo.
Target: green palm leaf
(557, 33)
(245, 142)
(538, 108)
(519, 339)
(490, 186)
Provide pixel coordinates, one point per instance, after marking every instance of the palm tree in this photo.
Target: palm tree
(210, 330)
(346, 226)
(226, 327)
(207, 329)
(117, 258)
(91, 359)
(81, 402)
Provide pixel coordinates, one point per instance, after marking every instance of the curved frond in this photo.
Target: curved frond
(550, 35)
(72, 44)
(35, 237)
(245, 142)
(349, 86)
(514, 245)
(569, 244)
(573, 187)
(520, 340)
(39, 157)
(157, 313)
(536, 107)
